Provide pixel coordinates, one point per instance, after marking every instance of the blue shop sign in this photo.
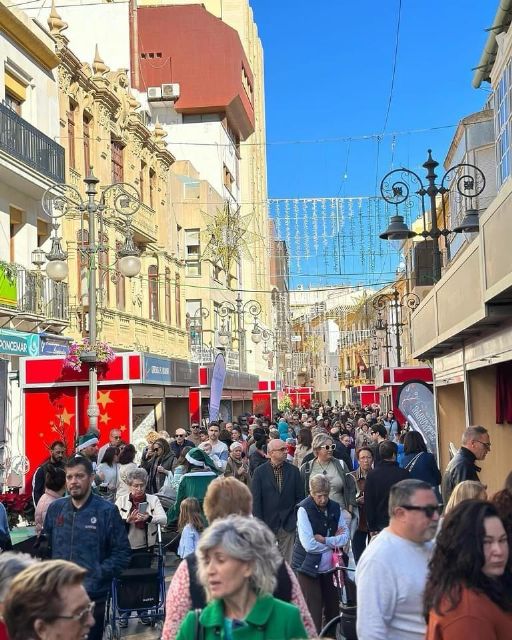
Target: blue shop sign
(157, 370)
(52, 346)
(19, 343)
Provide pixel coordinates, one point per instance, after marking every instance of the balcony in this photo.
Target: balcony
(33, 296)
(21, 140)
(144, 224)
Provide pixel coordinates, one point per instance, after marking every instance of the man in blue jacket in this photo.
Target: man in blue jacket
(86, 529)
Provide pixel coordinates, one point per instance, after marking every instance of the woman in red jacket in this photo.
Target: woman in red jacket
(469, 588)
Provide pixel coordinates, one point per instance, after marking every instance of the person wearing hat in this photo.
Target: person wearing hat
(88, 447)
(237, 466)
(199, 472)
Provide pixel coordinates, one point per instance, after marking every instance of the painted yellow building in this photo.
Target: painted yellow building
(101, 129)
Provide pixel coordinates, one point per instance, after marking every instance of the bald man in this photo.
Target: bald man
(277, 489)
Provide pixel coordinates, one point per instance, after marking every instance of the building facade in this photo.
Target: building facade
(463, 326)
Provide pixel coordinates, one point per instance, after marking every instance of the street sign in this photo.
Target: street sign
(296, 338)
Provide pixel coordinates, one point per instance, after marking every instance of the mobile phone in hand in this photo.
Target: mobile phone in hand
(143, 507)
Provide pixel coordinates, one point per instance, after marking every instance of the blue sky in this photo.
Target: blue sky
(328, 70)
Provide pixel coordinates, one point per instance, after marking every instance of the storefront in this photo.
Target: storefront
(237, 395)
(264, 400)
(136, 393)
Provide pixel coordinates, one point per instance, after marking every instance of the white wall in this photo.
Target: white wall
(90, 23)
(41, 107)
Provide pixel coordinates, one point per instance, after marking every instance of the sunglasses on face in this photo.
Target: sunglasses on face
(429, 510)
(180, 435)
(328, 447)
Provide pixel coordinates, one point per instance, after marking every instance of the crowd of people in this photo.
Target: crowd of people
(262, 514)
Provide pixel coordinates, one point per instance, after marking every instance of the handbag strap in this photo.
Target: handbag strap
(410, 465)
(199, 629)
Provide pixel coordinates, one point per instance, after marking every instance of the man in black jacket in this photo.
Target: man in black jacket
(378, 485)
(277, 489)
(476, 444)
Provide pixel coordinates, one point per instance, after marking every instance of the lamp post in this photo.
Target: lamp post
(469, 183)
(122, 201)
(396, 303)
(239, 310)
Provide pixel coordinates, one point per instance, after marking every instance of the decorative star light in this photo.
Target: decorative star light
(227, 234)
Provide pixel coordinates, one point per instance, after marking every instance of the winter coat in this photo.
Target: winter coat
(269, 619)
(93, 537)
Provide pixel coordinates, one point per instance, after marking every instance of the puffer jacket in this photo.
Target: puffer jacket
(94, 537)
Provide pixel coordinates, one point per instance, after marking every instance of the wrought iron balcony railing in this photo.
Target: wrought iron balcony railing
(23, 141)
(39, 296)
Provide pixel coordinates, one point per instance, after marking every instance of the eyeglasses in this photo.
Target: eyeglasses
(429, 510)
(116, 437)
(180, 435)
(328, 447)
(487, 445)
(281, 449)
(81, 616)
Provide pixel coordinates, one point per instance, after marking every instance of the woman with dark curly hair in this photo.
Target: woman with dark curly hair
(469, 587)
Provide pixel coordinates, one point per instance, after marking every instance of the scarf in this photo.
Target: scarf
(135, 507)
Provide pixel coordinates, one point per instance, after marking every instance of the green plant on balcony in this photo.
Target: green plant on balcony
(8, 283)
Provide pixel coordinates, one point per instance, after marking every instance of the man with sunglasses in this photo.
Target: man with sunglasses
(180, 442)
(114, 440)
(476, 444)
(392, 571)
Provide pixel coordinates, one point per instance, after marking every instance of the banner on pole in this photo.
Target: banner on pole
(416, 402)
(216, 386)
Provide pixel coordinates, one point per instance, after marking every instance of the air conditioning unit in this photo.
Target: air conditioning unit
(171, 91)
(154, 93)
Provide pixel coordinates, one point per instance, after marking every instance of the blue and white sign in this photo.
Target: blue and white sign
(217, 385)
(49, 346)
(19, 343)
(157, 370)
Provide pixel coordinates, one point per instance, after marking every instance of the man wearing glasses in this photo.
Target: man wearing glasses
(180, 442)
(476, 444)
(114, 440)
(194, 435)
(392, 571)
(276, 489)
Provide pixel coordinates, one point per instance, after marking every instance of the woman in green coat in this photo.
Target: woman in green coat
(238, 559)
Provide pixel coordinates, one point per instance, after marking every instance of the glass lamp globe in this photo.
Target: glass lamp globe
(129, 266)
(223, 338)
(57, 270)
(256, 335)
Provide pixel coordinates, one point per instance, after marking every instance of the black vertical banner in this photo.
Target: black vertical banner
(416, 402)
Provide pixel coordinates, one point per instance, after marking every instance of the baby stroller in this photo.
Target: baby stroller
(138, 592)
(343, 626)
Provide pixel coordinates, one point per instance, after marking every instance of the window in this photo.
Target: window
(142, 181)
(194, 321)
(153, 292)
(87, 143)
(120, 283)
(228, 179)
(177, 299)
(502, 124)
(13, 102)
(152, 188)
(15, 226)
(116, 160)
(192, 252)
(167, 293)
(71, 134)
(15, 91)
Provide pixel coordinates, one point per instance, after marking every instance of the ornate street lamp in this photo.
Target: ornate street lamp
(469, 183)
(239, 310)
(121, 201)
(395, 303)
